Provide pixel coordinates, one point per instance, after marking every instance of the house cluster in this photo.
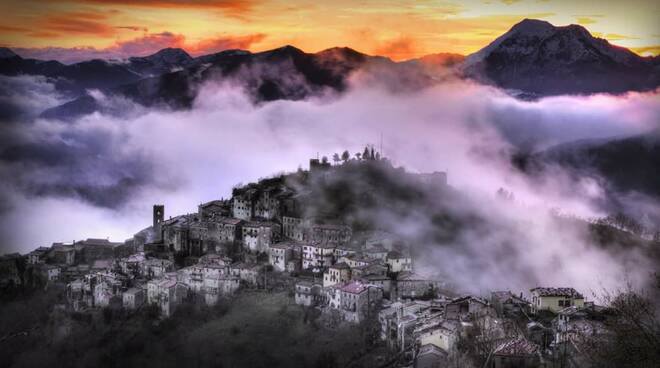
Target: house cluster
(264, 232)
(505, 328)
(59, 262)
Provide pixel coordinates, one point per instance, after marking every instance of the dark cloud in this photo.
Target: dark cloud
(23, 97)
(88, 164)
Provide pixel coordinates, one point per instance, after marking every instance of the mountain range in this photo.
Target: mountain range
(534, 58)
(629, 164)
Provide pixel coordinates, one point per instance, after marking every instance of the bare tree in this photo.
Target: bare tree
(631, 335)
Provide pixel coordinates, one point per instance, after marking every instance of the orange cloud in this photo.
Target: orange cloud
(400, 48)
(212, 45)
(585, 20)
(647, 50)
(142, 46)
(5, 28)
(80, 23)
(230, 7)
(134, 28)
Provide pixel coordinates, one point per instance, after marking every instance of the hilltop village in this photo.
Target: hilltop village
(269, 238)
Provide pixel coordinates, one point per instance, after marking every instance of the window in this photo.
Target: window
(561, 303)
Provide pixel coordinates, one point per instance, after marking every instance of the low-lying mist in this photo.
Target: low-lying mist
(99, 175)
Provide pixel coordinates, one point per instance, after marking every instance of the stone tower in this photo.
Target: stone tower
(159, 215)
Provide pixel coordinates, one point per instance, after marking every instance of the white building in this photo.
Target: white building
(133, 298)
(318, 255)
(399, 262)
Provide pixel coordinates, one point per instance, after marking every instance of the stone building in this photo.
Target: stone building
(507, 304)
(516, 353)
(38, 255)
(9, 270)
(339, 273)
(63, 254)
(259, 235)
(308, 293)
(330, 233)
(156, 268)
(132, 265)
(294, 228)
(133, 298)
(243, 201)
(249, 273)
(279, 255)
(214, 209)
(218, 285)
(91, 249)
(48, 272)
(399, 262)
(318, 255)
(166, 293)
(357, 300)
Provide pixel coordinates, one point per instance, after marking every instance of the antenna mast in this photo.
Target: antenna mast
(382, 154)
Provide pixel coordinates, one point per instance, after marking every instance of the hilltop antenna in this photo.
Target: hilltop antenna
(382, 154)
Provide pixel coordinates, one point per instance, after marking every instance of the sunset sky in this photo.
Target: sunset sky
(78, 29)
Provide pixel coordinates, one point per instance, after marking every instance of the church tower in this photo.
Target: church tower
(159, 215)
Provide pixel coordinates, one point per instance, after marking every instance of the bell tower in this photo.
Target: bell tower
(159, 215)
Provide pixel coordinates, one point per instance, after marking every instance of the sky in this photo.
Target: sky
(74, 30)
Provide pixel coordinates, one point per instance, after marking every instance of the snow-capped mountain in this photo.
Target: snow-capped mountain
(536, 57)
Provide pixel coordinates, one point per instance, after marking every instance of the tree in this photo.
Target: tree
(335, 158)
(345, 156)
(324, 160)
(631, 335)
(365, 154)
(358, 155)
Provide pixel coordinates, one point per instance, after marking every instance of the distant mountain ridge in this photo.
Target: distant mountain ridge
(536, 57)
(283, 73)
(533, 59)
(628, 163)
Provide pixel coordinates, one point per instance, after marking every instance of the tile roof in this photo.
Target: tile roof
(354, 287)
(517, 347)
(560, 291)
(340, 265)
(230, 221)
